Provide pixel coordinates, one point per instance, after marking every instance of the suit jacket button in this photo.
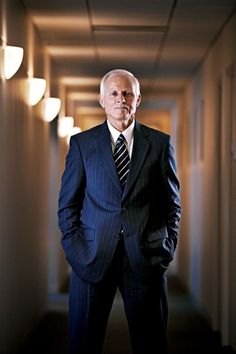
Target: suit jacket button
(123, 209)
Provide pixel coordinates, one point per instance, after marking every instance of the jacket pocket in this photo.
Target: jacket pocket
(86, 233)
(156, 235)
(158, 247)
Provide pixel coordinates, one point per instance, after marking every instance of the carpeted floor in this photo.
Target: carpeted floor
(188, 332)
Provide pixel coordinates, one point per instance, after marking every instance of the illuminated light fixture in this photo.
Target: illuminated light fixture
(73, 131)
(64, 126)
(12, 59)
(37, 88)
(52, 108)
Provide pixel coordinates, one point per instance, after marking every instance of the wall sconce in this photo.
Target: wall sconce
(64, 126)
(36, 88)
(73, 131)
(12, 59)
(52, 107)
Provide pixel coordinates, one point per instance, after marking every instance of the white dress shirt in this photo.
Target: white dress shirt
(128, 135)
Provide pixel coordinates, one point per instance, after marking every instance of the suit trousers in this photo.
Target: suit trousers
(145, 306)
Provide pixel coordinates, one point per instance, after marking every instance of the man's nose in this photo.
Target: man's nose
(121, 98)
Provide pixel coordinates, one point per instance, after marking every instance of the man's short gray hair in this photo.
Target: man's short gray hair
(119, 72)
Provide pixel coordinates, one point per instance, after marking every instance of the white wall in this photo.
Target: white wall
(24, 139)
(207, 250)
(58, 266)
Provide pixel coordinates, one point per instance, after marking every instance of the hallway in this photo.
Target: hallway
(188, 331)
(53, 55)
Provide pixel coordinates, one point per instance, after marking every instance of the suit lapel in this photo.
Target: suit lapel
(103, 142)
(140, 150)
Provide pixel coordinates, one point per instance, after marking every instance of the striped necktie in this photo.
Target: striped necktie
(122, 160)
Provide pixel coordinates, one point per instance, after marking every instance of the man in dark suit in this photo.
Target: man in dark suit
(119, 212)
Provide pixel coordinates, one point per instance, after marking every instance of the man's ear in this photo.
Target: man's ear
(139, 99)
(101, 101)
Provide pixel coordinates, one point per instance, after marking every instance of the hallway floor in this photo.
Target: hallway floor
(188, 331)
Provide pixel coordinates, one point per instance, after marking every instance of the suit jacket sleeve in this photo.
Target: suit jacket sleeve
(169, 171)
(72, 191)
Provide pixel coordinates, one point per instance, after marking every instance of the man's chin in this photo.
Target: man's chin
(121, 117)
(125, 118)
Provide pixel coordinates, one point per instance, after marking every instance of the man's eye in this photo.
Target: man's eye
(128, 94)
(114, 93)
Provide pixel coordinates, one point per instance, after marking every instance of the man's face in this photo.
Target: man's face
(119, 98)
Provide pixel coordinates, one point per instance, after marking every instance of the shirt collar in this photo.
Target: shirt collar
(128, 133)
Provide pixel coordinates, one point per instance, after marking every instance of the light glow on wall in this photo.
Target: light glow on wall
(37, 87)
(52, 107)
(12, 59)
(64, 126)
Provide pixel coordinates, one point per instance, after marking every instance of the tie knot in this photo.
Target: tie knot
(121, 138)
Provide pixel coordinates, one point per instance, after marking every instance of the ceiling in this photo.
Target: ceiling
(161, 41)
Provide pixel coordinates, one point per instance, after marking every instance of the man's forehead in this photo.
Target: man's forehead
(118, 80)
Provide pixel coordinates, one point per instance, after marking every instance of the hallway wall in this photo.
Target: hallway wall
(24, 139)
(208, 169)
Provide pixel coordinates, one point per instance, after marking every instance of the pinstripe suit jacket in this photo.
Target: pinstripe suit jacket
(93, 209)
